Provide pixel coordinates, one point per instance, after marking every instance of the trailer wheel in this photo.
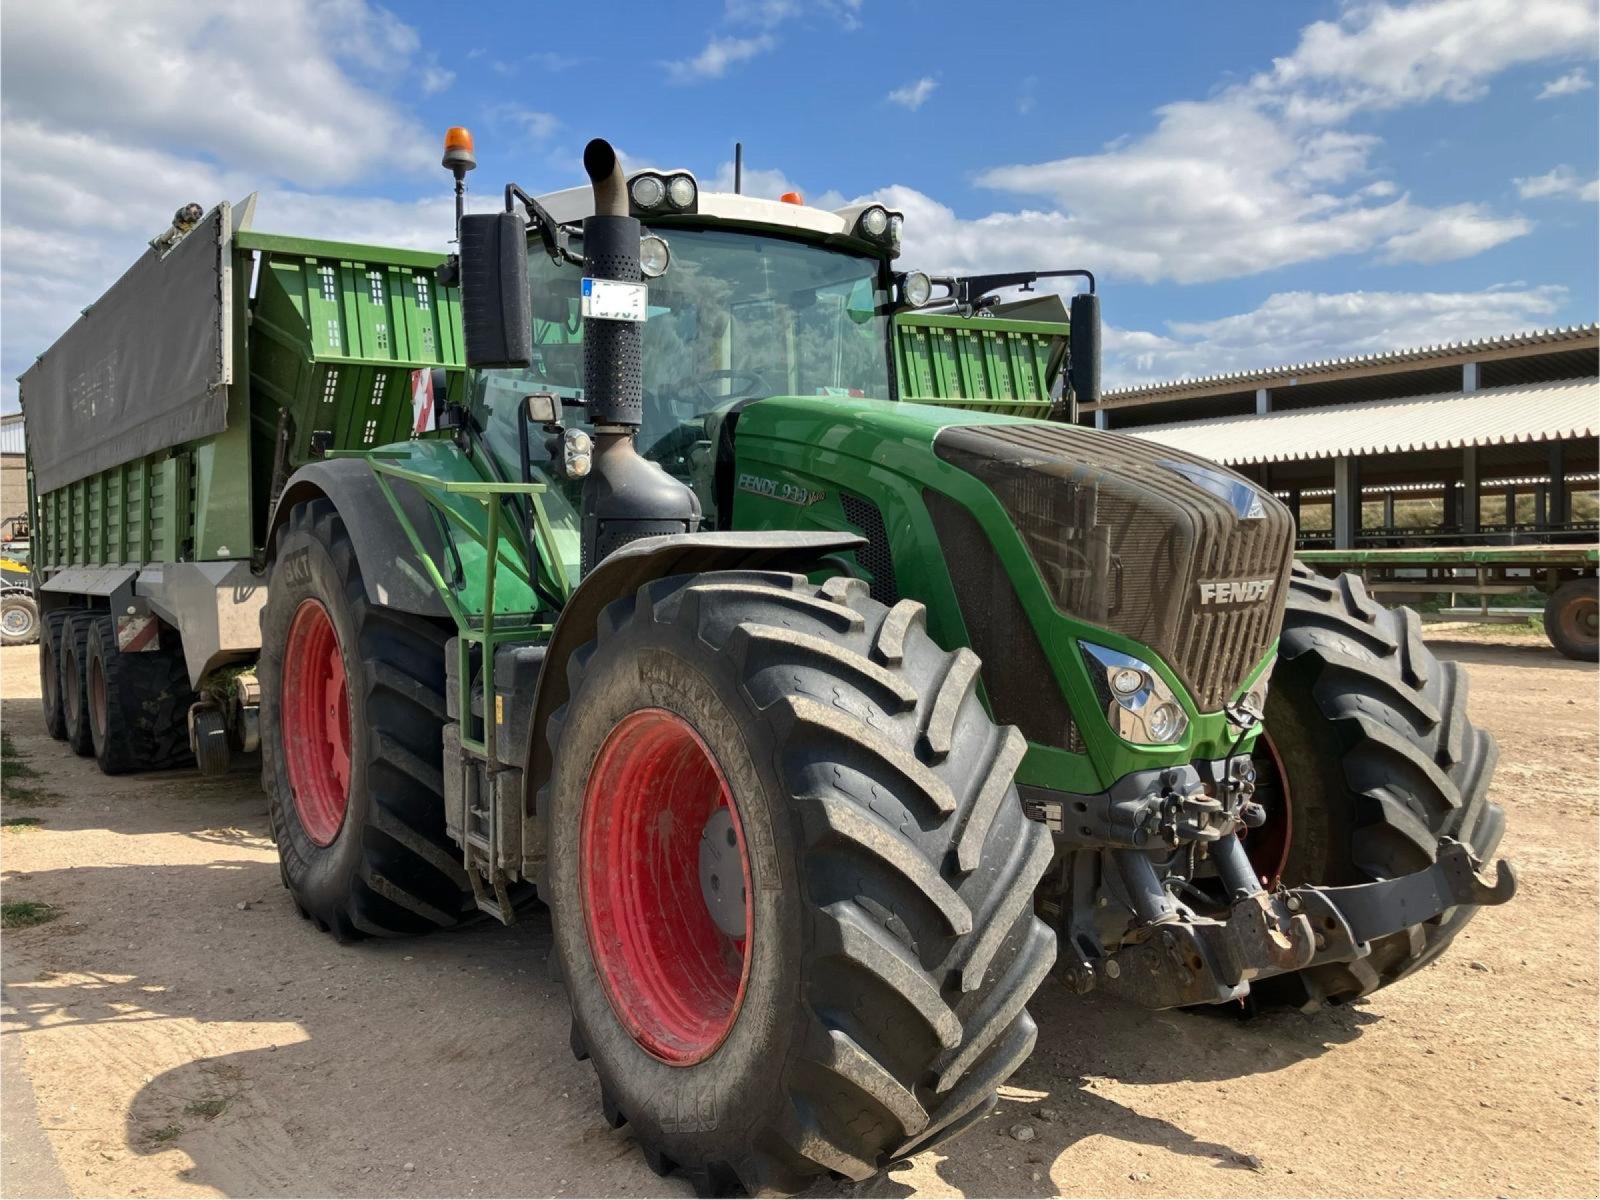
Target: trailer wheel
(50, 645)
(19, 619)
(352, 737)
(1378, 763)
(138, 704)
(791, 880)
(73, 661)
(1572, 619)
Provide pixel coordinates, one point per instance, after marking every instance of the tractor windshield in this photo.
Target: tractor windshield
(738, 315)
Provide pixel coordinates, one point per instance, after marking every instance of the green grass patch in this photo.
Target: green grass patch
(12, 764)
(210, 1108)
(21, 824)
(14, 768)
(19, 914)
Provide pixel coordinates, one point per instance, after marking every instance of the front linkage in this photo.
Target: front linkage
(1120, 850)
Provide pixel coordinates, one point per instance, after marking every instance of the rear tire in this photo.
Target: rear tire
(138, 704)
(73, 660)
(19, 619)
(890, 942)
(50, 643)
(1570, 619)
(382, 864)
(1381, 763)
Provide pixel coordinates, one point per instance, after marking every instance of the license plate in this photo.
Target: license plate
(613, 301)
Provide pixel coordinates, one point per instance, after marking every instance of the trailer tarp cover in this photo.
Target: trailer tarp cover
(145, 369)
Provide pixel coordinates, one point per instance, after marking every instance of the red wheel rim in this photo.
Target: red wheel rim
(97, 695)
(1268, 846)
(316, 723)
(675, 979)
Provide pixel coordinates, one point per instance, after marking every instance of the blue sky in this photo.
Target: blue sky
(1253, 183)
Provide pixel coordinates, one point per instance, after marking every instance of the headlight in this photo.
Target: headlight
(916, 289)
(681, 191)
(1139, 704)
(577, 452)
(875, 222)
(647, 191)
(654, 255)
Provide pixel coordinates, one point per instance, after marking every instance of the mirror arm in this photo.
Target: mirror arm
(551, 236)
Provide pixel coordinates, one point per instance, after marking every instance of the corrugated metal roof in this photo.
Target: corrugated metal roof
(1492, 417)
(11, 434)
(1417, 354)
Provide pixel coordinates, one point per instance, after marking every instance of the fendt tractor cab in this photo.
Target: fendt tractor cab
(825, 719)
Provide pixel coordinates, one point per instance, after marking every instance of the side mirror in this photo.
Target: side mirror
(496, 316)
(543, 409)
(1083, 348)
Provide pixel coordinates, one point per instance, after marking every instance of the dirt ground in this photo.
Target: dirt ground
(185, 1033)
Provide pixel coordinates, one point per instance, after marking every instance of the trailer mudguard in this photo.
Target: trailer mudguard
(388, 563)
(625, 570)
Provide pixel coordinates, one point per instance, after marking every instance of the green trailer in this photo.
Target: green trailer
(164, 423)
(756, 605)
(1565, 573)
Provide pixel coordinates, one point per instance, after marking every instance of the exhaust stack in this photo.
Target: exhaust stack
(625, 497)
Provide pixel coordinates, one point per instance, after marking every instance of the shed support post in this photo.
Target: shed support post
(1100, 419)
(1294, 506)
(1452, 507)
(1388, 510)
(1469, 489)
(1346, 503)
(1263, 401)
(1469, 377)
(1558, 484)
(1511, 507)
(1541, 508)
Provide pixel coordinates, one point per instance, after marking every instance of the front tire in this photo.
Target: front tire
(841, 769)
(353, 713)
(1377, 761)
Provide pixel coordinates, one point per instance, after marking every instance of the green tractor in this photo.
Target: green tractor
(759, 609)
(824, 721)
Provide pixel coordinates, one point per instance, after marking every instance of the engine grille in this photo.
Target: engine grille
(875, 556)
(1125, 533)
(1022, 694)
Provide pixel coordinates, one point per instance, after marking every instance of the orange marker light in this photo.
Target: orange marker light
(792, 198)
(459, 152)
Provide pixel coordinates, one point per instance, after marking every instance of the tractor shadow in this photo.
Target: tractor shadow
(1087, 1042)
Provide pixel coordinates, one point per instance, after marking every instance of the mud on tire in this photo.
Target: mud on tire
(1382, 763)
(390, 869)
(892, 941)
(143, 724)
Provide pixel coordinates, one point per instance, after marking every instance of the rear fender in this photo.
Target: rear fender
(388, 564)
(626, 570)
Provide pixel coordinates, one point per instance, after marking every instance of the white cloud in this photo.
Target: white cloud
(1380, 56)
(719, 54)
(1574, 81)
(529, 122)
(1263, 174)
(1293, 327)
(436, 79)
(102, 137)
(1560, 182)
(272, 87)
(915, 94)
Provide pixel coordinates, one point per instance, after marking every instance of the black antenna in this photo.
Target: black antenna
(738, 168)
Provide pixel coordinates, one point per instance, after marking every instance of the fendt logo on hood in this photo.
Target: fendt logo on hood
(1235, 591)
